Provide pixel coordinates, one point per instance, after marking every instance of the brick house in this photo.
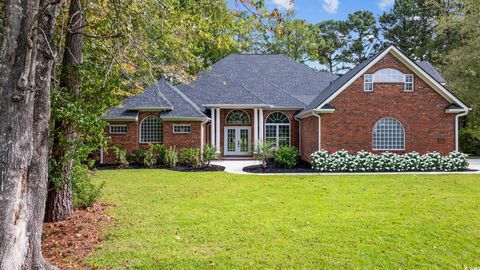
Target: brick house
(387, 103)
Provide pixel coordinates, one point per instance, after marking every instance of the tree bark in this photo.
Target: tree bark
(26, 59)
(59, 200)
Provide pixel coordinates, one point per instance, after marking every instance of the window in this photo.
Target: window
(408, 82)
(277, 129)
(368, 82)
(182, 128)
(237, 117)
(388, 134)
(388, 75)
(151, 130)
(118, 129)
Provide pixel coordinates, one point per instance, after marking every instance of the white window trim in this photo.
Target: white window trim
(390, 149)
(365, 82)
(113, 132)
(248, 117)
(277, 128)
(412, 83)
(181, 125)
(140, 130)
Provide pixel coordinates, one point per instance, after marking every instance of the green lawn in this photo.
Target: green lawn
(173, 220)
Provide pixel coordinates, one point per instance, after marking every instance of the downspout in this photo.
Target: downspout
(202, 136)
(319, 131)
(299, 135)
(457, 117)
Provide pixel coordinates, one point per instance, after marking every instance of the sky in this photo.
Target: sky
(319, 10)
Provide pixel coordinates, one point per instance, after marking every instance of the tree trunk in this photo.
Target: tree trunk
(26, 61)
(59, 200)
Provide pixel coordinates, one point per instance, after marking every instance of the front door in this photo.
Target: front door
(237, 141)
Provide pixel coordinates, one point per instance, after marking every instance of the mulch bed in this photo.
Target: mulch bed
(67, 243)
(272, 167)
(178, 168)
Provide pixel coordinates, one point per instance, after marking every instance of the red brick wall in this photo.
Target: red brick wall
(422, 113)
(309, 133)
(130, 141)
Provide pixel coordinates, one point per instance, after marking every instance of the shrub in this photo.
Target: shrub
(120, 157)
(342, 161)
(190, 157)
(265, 152)
(84, 192)
(138, 156)
(287, 156)
(209, 153)
(159, 153)
(469, 138)
(171, 157)
(149, 159)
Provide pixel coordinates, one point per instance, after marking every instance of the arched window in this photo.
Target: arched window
(277, 129)
(388, 75)
(388, 134)
(237, 117)
(151, 130)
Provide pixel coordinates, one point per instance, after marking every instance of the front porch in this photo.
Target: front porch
(236, 132)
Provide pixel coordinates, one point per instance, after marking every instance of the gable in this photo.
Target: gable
(346, 80)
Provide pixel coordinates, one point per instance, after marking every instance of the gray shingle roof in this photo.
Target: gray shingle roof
(431, 70)
(274, 80)
(161, 96)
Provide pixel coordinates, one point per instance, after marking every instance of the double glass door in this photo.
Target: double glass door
(237, 141)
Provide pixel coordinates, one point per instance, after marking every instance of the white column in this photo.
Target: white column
(260, 125)
(255, 131)
(217, 131)
(212, 128)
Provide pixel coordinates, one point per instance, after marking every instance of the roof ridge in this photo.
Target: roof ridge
(182, 95)
(161, 95)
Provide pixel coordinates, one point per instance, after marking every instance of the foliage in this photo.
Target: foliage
(265, 152)
(327, 41)
(209, 153)
(287, 156)
(120, 157)
(190, 157)
(324, 222)
(159, 153)
(469, 138)
(149, 159)
(85, 192)
(342, 161)
(137, 156)
(362, 37)
(462, 68)
(171, 157)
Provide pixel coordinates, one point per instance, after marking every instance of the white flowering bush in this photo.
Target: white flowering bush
(342, 161)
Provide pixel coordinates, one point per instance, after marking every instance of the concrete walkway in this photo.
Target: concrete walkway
(236, 167)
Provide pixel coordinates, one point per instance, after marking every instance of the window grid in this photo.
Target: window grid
(151, 130)
(118, 129)
(388, 75)
(368, 82)
(182, 128)
(388, 134)
(237, 117)
(277, 129)
(408, 82)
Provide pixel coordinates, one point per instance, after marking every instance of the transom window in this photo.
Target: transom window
(388, 134)
(151, 130)
(277, 129)
(118, 129)
(237, 117)
(182, 128)
(387, 75)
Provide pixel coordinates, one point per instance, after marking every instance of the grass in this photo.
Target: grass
(174, 220)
